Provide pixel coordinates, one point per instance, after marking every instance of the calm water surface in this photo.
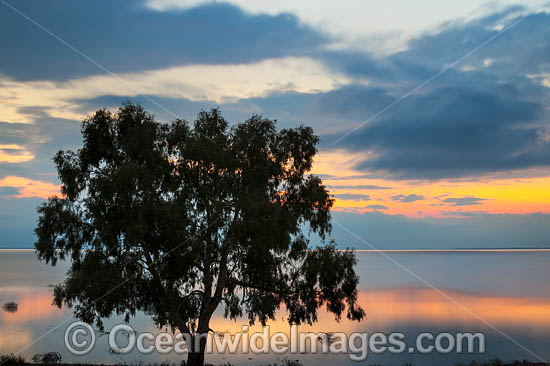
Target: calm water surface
(510, 291)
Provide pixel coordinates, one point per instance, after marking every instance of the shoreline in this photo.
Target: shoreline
(457, 250)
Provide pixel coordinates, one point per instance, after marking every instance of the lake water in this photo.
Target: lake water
(504, 294)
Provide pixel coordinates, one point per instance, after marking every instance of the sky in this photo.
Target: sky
(433, 116)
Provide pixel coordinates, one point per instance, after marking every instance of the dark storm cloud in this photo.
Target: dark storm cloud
(489, 118)
(484, 115)
(444, 132)
(126, 36)
(332, 108)
(487, 114)
(462, 124)
(452, 132)
(408, 198)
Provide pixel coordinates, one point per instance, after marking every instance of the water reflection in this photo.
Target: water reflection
(11, 341)
(389, 309)
(32, 308)
(509, 291)
(10, 307)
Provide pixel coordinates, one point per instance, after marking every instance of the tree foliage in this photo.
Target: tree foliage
(176, 219)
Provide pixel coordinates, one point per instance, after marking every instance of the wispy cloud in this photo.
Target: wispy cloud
(464, 201)
(463, 213)
(218, 83)
(377, 207)
(357, 187)
(12, 153)
(407, 198)
(353, 197)
(27, 188)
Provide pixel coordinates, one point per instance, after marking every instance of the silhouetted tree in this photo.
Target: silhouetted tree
(174, 220)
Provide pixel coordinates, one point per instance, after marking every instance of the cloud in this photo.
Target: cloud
(491, 119)
(130, 37)
(456, 38)
(330, 112)
(453, 132)
(218, 83)
(408, 198)
(27, 188)
(366, 27)
(377, 207)
(357, 187)
(464, 201)
(12, 153)
(463, 213)
(353, 197)
(543, 78)
(468, 125)
(41, 140)
(427, 54)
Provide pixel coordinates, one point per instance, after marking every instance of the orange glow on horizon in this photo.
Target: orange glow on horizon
(495, 195)
(356, 191)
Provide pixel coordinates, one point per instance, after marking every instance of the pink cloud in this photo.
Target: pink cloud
(29, 187)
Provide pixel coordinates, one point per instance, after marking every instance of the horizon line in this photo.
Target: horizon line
(451, 250)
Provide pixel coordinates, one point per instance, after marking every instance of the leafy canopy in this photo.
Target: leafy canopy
(174, 219)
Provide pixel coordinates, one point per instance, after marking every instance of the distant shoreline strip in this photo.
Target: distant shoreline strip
(488, 250)
(472, 250)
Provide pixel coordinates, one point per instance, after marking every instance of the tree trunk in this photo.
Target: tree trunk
(196, 351)
(195, 359)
